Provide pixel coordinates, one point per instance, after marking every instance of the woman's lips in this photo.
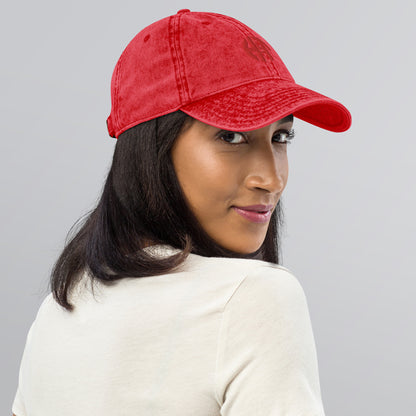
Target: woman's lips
(253, 215)
(257, 207)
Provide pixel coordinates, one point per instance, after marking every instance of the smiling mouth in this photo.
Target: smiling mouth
(254, 216)
(257, 208)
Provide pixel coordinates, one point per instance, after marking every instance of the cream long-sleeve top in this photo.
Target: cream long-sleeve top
(217, 337)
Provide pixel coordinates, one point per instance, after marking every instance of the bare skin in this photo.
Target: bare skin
(216, 175)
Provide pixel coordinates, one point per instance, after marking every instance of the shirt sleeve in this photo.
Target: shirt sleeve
(266, 359)
(18, 406)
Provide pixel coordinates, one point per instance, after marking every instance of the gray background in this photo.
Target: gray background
(349, 202)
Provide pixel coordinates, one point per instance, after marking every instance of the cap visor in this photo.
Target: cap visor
(260, 103)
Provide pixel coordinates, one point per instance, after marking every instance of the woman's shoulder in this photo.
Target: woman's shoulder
(241, 265)
(196, 262)
(268, 294)
(246, 277)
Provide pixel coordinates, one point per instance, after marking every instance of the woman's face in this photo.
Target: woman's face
(216, 174)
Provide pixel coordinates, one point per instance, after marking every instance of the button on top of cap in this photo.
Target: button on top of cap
(183, 11)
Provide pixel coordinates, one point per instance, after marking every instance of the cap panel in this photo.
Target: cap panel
(145, 83)
(219, 53)
(258, 47)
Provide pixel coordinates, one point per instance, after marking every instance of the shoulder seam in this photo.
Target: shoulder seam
(254, 269)
(219, 343)
(219, 401)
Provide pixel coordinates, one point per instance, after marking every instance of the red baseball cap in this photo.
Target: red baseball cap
(215, 69)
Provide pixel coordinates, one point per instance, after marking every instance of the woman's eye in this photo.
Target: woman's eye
(235, 138)
(285, 136)
(229, 136)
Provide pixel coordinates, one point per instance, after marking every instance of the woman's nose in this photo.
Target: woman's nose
(268, 170)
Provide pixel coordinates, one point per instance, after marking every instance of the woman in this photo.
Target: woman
(170, 299)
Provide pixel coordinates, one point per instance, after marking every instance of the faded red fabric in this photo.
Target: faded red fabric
(217, 70)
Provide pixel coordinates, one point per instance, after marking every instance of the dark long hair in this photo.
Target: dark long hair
(142, 201)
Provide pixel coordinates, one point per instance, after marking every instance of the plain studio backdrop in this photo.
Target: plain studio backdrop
(349, 202)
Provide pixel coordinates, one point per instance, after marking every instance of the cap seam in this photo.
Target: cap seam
(181, 60)
(184, 78)
(177, 58)
(173, 50)
(117, 94)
